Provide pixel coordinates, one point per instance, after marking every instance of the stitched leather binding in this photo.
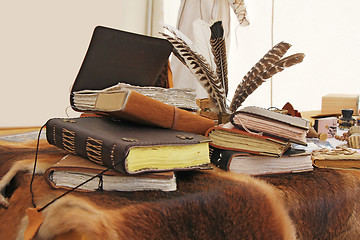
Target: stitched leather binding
(109, 143)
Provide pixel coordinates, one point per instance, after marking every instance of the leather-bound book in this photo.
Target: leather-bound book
(133, 106)
(115, 56)
(118, 57)
(129, 147)
(73, 170)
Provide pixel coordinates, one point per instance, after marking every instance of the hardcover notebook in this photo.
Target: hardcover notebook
(73, 170)
(115, 56)
(271, 123)
(129, 147)
(226, 136)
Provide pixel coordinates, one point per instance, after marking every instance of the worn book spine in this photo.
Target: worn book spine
(65, 134)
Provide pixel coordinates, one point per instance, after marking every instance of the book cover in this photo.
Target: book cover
(271, 123)
(73, 170)
(226, 136)
(242, 162)
(115, 56)
(129, 147)
(133, 106)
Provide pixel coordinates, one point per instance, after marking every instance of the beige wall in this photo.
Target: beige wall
(42, 46)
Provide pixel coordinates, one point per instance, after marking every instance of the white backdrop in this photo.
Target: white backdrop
(327, 31)
(43, 43)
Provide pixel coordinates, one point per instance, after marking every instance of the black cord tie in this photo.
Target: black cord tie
(35, 162)
(101, 183)
(100, 176)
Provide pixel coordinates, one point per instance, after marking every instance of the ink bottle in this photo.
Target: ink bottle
(346, 121)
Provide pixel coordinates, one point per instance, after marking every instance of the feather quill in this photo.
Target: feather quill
(284, 63)
(255, 77)
(187, 53)
(266, 62)
(278, 67)
(218, 48)
(239, 9)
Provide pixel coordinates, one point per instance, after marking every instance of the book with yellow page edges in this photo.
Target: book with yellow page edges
(129, 147)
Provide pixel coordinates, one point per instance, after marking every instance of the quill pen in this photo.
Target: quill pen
(278, 67)
(284, 63)
(218, 48)
(187, 53)
(266, 62)
(268, 66)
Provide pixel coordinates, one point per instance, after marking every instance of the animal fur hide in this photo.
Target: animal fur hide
(322, 204)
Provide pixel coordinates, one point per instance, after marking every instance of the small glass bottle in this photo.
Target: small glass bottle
(346, 121)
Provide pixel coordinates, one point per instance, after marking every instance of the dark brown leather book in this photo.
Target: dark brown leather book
(129, 147)
(115, 56)
(73, 170)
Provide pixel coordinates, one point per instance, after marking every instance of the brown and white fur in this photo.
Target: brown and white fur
(213, 205)
(322, 204)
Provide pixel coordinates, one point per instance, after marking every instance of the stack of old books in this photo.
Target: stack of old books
(260, 141)
(141, 132)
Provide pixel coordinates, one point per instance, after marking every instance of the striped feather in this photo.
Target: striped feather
(218, 48)
(284, 63)
(197, 64)
(264, 64)
(278, 67)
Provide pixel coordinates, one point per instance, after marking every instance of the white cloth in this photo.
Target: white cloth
(189, 11)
